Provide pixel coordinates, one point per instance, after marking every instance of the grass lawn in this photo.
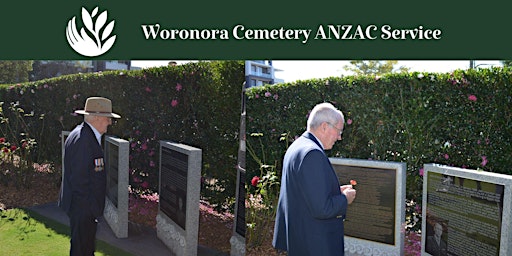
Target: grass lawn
(23, 232)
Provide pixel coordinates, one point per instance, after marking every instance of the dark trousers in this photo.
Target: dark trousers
(83, 232)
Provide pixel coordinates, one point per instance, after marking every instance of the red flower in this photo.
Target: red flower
(353, 183)
(2, 140)
(255, 181)
(13, 148)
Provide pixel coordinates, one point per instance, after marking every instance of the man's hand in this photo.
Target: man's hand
(344, 187)
(349, 192)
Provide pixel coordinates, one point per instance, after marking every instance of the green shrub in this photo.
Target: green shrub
(196, 104)
(460, 119)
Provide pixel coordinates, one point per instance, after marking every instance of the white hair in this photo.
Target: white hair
(88, 118)
(324, 112)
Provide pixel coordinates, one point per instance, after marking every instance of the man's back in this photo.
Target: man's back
(310, 208)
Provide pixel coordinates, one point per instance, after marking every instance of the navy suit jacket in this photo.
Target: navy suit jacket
(311, 208)
(84, 182)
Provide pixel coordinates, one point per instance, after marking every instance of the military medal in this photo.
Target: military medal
(98, 164)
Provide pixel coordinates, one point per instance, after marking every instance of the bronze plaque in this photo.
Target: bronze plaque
(112, 169)
(173, 185)
(372, 214)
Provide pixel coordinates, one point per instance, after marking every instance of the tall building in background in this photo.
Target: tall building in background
(260, 72)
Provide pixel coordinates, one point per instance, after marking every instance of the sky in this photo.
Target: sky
(292, 70)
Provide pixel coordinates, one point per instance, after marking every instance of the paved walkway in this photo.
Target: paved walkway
(140, 241)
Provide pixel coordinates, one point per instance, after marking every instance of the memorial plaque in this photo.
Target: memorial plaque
(63, 136)
(375, 201)
(177, 221)
(374, 219)
(465, 212)
(237, 240)
(173, 182)
(240, 214)
(116, 153)
(112, 169)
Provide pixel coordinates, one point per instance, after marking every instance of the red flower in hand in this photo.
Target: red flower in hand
(255, 180)
(353, 183)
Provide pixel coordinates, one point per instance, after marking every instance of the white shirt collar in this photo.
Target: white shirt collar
(320, 142)
(96, 133)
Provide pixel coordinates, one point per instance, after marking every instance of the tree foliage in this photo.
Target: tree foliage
(507, 63)
(53, 68)
(373, 67)
(16, 71)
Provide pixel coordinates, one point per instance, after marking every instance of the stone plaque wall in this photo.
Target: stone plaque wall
(465, 212)
(173, 185)
(237, 240)
(63, 136)
(112, 167)
(179, 189)
(240, 216)
(117, 167)
(374, 220)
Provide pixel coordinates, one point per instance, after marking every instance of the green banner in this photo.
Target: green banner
(254, 30)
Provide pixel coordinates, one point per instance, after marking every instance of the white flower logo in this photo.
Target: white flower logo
(90, 43)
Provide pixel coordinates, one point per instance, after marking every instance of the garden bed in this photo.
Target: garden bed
(215, 229)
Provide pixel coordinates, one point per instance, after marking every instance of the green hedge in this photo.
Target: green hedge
(459, 119)
(197, 104)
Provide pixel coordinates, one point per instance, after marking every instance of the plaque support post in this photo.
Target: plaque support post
(238, 238)
(177, 222)
(116, 203)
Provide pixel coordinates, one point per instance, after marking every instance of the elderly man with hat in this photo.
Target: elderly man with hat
(83, 189)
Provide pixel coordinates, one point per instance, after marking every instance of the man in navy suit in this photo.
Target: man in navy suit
(83, 188)
(312, 204)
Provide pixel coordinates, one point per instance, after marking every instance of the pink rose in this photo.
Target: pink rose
(484, 160)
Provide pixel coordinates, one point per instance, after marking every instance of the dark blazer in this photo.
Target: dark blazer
(84, 181)
(311, 208)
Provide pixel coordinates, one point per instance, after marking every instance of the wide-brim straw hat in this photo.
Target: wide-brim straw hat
(98, 106)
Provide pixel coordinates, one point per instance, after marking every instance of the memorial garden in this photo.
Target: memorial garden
(195, 104)
(403, 120)
(460, 119)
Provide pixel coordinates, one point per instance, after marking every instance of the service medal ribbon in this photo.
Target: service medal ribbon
(98, 163)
